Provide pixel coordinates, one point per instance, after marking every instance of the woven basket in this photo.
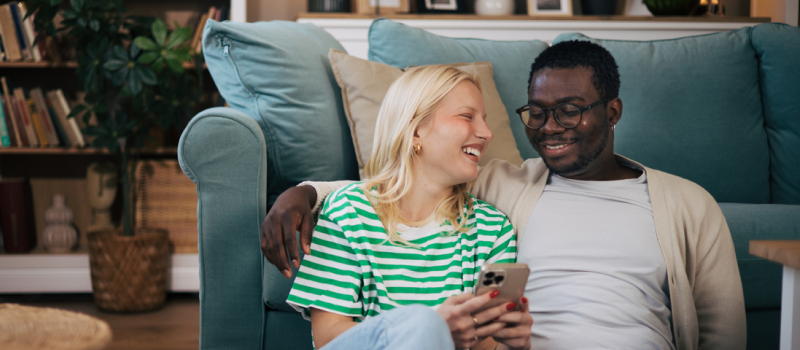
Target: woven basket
(129, 273)
(166, 198)
(31, 328)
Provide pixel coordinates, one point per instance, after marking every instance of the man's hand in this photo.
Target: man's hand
(290, 213)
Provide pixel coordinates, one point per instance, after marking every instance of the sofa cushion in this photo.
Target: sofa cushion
(401, 46)
(778, 49)
(761, 279)
(364, 85)
(278, 73)
(692, 107)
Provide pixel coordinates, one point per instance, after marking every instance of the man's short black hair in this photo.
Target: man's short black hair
(577, 53)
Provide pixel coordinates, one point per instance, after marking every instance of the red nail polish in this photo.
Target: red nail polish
(494, 294)
(524, 300)
(511, 306)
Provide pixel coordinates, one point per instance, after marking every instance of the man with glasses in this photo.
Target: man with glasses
(621, 256)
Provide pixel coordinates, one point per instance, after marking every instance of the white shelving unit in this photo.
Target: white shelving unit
(40, 272)
(352, 31)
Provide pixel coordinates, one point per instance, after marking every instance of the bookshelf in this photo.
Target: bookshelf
(54, 170)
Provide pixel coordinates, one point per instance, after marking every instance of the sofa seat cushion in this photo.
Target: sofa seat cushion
(692, 107)
(761, 279)
(278, 73)
(365, 84)
(778, 48)
(401, 46)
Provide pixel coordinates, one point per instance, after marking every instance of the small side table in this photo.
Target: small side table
(29, 328)
(786, 253)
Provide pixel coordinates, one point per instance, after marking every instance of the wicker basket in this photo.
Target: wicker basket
(166, 198)
(129, 273)
(31, 328)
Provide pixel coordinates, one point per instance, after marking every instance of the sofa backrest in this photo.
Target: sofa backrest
(399, 45)
(692, 107)
(778, 49)
(278, 73)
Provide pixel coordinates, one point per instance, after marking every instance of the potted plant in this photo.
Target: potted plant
(133, 72)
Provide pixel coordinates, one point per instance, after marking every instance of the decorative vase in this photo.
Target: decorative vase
(101, 187)
(129, 273)
(59, 236)
(494, 7)
(599, 7)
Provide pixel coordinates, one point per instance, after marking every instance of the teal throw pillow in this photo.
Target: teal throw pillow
(278, 73)
(692, 107)
(778, 49)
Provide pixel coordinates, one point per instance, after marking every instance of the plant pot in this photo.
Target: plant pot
(129, 273)
(671, 7)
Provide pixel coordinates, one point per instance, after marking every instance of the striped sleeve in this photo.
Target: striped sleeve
(330, 277)
(504, 249)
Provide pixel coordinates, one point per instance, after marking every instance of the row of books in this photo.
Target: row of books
(216, 13)
(17, 36)
(38, 119)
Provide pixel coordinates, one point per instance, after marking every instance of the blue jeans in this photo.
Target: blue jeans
(412, 327)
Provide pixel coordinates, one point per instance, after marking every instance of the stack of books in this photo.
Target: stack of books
(216, 13)
(37, 119)
(17, 37)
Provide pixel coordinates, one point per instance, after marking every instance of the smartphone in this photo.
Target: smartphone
(509, 279)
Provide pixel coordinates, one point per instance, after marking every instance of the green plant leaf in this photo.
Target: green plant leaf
(81, 22)
(55, 2)
(77, 111)
(94, 25)
(70, 14)
(147, 75)
(76, 4)
(114, 64)
(134, 85)
(148, 57)
(159, 32)
(119, 53)
(145, 43)
(174, 65)
(158, 65)
(179, 36)
(134, 51)
(119, 76)
(182, 55)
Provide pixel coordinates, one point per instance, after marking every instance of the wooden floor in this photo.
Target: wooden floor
(175, 326)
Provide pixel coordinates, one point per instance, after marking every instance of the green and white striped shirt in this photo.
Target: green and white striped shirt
(353, 270)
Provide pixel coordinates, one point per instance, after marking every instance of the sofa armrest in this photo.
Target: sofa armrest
(223, 151)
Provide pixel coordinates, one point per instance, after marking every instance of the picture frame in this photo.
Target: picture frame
(550, 7)
(382, 7)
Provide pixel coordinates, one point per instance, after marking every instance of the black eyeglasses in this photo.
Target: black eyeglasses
(567, 115)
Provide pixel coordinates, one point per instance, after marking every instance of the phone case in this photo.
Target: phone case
(509, 279)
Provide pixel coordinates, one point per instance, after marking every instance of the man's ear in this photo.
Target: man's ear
(614, 111)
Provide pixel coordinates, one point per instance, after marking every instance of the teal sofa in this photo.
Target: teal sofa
(722, 110)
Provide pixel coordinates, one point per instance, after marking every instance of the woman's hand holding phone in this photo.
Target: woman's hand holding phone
(517, 334)
(467, 329)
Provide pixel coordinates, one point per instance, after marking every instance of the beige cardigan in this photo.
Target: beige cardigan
(704, 284)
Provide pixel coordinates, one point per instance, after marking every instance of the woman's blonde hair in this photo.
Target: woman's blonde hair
(410, 104)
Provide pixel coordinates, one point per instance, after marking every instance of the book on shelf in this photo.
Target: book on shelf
(24, 115)
(28, 33)
(5, 138)
(41, 134)
(9, 109)
(11, 126)
(44, 114)
(9, 34)
(23, 44)
(16, 216)
(61, 109)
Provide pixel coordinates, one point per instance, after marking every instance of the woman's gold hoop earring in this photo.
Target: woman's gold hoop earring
(417, 148)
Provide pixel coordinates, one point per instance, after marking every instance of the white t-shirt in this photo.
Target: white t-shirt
(598, 277)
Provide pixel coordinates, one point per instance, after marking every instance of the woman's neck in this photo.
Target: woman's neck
(419, 203)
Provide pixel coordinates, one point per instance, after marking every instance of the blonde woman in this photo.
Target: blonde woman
(394, 258)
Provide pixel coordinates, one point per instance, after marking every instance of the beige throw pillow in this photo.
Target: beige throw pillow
(365, 83)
